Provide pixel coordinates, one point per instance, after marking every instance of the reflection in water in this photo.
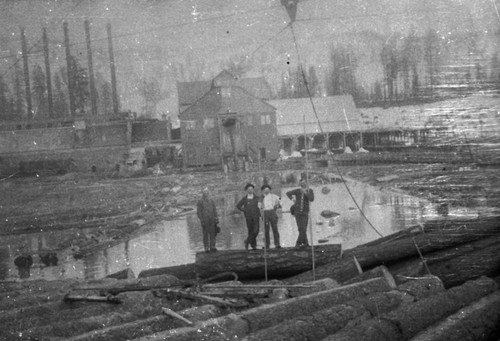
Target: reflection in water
(176, 242)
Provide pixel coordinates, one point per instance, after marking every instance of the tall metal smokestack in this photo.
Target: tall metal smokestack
(93, 97)
(69, 70)
(113, 70)
(26, 74)
(47, 72)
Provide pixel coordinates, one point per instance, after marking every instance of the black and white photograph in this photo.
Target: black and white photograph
(316, 170)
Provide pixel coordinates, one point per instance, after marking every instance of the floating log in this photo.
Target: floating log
(340, 270)
(458, 264)
(322, 323)
(479, 321)
(238, 325)
(455, 271)
(407, 320)
(183, 272)
(250, 264)
(445, 235)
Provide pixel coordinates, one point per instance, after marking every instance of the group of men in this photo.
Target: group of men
(255, 208)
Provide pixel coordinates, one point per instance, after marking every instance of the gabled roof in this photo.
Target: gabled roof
(213, 103)
(190, 92)
(335, 114)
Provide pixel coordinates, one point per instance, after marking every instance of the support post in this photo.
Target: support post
(26, 74)
(47, 72)
(93, 97)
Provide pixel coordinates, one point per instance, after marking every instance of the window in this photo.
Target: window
(250, 120)
(208, 123)
(265, 119)
(190, 125)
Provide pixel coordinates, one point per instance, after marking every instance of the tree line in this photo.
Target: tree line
(412, 68)
(13, 98)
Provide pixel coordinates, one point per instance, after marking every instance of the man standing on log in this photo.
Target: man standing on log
(249, 205)
(207, 213)
(270, 203)
(302, 198)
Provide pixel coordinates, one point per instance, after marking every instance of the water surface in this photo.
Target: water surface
(176, 242)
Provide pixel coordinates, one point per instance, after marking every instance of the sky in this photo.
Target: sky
(182, 40)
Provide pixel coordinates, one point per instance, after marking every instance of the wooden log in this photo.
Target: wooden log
(63, 319)
(454, 234)
(340, 270)
(379, 271)
(456, 265)
(123, 274)
(183, 272)
(476, 322)
(250, 264)
(115, 287)
(322, 323)
(201, 313)
(125, 331)
(170, 312)
(312, 287)
(92, 298)
(249, 321)
(422, 287)
(455, 271)
(407, 320)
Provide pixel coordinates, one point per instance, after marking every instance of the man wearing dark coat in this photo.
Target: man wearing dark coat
(249, 205)
(302, 198)
(207, 213)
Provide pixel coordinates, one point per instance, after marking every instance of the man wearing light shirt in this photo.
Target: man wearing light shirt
(270, 203)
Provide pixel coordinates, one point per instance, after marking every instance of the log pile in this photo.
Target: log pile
(475, 241)
(422, 284)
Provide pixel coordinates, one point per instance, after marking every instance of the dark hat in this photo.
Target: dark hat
(249, 185)
(265, 186)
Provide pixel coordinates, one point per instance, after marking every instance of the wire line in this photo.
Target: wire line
(321, 129)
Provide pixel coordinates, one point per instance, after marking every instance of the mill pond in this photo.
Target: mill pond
(175, 242)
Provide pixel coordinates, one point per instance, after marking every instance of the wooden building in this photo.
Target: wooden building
(394, 127)
(330, 123)
(229, 125)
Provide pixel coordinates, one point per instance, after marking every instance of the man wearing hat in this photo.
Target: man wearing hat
(302, 198)
(249, 205)
(207, 213)
(270, 203)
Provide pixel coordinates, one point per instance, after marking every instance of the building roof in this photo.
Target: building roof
(334, 114)
(234, 100)
(190, 92)
(394, 118)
